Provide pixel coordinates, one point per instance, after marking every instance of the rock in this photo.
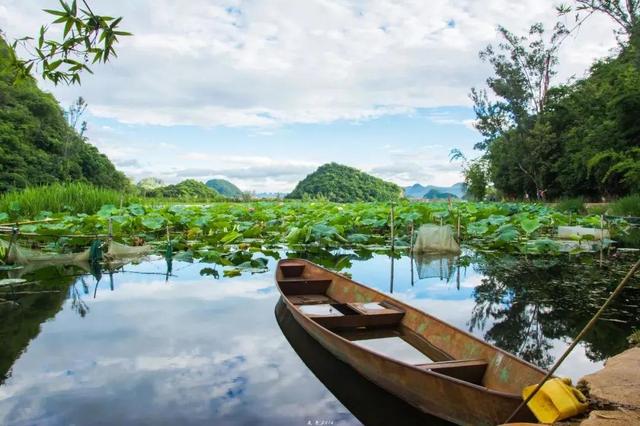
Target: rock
(618, 383)
(612, 418)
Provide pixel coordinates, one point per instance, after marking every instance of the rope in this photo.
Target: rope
(579, 337)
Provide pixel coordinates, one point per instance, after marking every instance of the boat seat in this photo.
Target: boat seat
(355, 315)
(302, 286)
(469, 370)
(293, 269)
(310, 299)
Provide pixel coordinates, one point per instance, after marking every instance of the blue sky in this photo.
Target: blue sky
(263, 92)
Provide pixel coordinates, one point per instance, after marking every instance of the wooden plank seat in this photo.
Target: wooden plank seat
(354, 315)
(302, 280)
(301, 286)
(469, 370)
(311, 299)
(292, 269)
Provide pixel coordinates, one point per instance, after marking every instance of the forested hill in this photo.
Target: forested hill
(339, 183)
(37, 145)
(224, 188)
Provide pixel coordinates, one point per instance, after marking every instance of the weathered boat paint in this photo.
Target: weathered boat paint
(459, 401)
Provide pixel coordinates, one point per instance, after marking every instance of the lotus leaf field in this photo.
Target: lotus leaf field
(215, 230)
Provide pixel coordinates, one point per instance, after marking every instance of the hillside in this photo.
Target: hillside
(434, 194)
(224, 188)
(344, 184)
(419, 191)
(37, 146)
(187, 189)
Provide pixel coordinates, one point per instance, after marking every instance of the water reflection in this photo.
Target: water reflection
(532, 302)
(182, 343)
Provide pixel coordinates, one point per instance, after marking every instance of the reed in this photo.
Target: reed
(76, 197)
(627, 206)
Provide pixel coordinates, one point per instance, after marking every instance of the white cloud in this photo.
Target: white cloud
(243, 63)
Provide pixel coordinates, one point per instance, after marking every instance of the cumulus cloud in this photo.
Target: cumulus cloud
(260, 64)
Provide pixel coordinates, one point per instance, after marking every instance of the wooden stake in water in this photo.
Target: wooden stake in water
(392, 246)
(411, 252)
(392, 229)
(601, 240)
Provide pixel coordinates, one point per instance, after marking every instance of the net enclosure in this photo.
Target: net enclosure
(15, 254)
(435, 238)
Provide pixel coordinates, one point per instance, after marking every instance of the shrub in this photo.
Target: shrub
(572, 205)
(627, 206)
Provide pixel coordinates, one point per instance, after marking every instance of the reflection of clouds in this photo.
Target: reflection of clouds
(184, 352)
(577, 363)
(209, 291)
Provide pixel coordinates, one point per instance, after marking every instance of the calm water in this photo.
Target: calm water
(138, 347)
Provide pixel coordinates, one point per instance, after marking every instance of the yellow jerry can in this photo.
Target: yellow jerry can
(556, 400)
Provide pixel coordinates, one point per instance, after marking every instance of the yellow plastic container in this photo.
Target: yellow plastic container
(556, 400)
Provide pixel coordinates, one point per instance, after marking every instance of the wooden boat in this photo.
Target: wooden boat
(468, 381)
(369, 403)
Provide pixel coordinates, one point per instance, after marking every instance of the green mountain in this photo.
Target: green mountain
(37, 146)
(224, 188)
(344, 184)
(187, 189)
(434, 194)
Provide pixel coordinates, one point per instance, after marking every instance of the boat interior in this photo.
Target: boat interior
(366, 321)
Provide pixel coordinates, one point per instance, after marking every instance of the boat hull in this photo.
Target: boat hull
(444, 396)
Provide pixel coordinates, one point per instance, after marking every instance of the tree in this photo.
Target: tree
(523, 69)
(626, 14)
(475, 174)
(87, 37)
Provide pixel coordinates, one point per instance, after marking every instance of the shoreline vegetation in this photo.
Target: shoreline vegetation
(222, 226)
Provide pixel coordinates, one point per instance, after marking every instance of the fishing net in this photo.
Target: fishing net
(435, 238)
(580, 232)
(18, 255)
(435, 266)
(123, 251)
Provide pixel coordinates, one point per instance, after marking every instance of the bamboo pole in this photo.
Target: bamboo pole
(579, 337)
(411, 254)
(30, 222)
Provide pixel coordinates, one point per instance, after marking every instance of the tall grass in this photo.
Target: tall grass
(60, 197)
(572, 205)
(627, 206)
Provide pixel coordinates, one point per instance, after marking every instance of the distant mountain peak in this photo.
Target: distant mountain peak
(417, 190)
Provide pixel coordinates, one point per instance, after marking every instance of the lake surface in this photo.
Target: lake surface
(137, 346)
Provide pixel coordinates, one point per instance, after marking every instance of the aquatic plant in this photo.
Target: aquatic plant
(509, 227)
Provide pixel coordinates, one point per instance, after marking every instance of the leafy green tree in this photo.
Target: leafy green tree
(573, 139)
(475, 174)
(626, 14)
(86, 38)
(523, 68)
